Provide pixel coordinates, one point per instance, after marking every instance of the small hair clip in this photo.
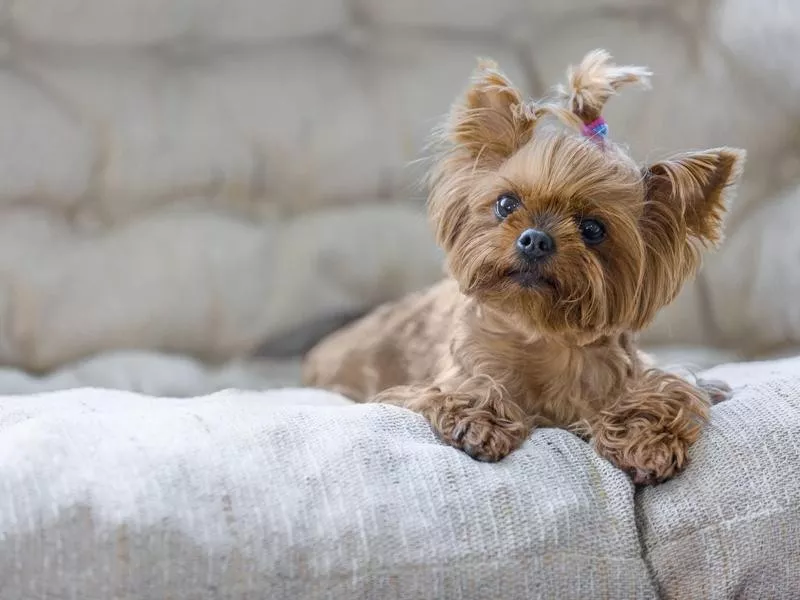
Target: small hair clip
(596, 128)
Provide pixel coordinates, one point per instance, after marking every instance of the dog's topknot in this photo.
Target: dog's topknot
(594, 81)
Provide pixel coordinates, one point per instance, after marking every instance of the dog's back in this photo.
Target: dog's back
(398, 343)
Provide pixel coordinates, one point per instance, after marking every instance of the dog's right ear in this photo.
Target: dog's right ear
(491, 121)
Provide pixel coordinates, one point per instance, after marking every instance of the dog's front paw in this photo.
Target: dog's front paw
(480, 433)
(648, 455)
(485, 437)
(487, 428)
(648, 431)
(649, 448)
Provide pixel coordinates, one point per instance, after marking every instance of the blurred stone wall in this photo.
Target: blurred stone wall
(199, 176)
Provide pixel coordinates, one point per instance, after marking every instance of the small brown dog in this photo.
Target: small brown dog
(559, 247)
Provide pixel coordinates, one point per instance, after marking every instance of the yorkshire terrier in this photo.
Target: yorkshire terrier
(559, 249)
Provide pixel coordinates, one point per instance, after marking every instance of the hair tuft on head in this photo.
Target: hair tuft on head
(594, 81)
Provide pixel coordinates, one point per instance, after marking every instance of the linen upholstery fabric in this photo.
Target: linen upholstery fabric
(114, 495)
(729, 528)
(297, 494)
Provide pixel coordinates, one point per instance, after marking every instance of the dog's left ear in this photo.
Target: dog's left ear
(693, 188)
(491, 121)
(685, 203)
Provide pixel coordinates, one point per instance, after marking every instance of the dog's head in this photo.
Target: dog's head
(547, 222)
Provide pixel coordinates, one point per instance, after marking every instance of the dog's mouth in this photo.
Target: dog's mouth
(529, 279)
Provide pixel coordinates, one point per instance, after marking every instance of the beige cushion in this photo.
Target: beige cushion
(728, 527)
(298, 494)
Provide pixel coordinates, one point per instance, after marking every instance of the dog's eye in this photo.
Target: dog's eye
(505, 205)
(592, 231)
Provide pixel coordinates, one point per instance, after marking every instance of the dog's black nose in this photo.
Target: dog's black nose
(535, 244)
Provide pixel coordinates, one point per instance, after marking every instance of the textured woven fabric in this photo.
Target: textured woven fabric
(729, 527)
(107, 494)
(264, 495)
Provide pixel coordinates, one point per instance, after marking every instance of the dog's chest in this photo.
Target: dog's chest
(565, 386)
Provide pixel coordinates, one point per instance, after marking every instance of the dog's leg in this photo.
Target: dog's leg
(648, 430)
(476, 417)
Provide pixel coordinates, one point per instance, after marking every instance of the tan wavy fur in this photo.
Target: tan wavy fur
(509, 342)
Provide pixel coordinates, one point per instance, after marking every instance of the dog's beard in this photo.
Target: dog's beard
(514, 278)
(530, 277)
(522, 291)
(537, 298)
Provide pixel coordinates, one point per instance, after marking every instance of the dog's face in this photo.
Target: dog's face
(561, 234)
